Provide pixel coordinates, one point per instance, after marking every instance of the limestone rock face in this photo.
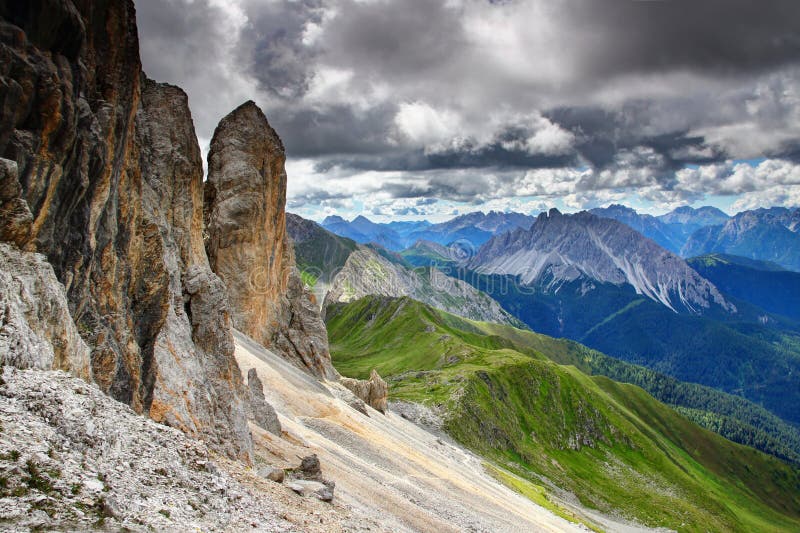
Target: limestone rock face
(36, 329)
(109, 165)
(374, 391)
(247, 246)
(194, 343)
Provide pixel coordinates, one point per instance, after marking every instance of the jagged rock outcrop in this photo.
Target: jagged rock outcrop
(374, 391)
(261, 412)
(36, 329)
(245, 197)
(109, 166)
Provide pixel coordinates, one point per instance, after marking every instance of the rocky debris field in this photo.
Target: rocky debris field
(71, 458)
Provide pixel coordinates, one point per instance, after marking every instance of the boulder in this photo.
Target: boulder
(310, 467)
(273, 474)
(374, 391)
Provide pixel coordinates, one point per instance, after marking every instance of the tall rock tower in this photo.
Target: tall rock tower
(247, 245)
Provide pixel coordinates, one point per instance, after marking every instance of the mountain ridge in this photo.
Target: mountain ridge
(764, 234)
(571, 246)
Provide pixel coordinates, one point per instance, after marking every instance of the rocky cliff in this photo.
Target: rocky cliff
(245, 197)
(107, 165)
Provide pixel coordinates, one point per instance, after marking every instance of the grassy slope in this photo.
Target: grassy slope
(612, 445)
(746, 358)
(731, 416)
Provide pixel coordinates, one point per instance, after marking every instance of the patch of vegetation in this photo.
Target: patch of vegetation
(12, 455)
(759, 283)
(731, 416)
(38, 479)
(613, 445)
(308, 278)
(534, 492)
(322, 254)
(98, 509)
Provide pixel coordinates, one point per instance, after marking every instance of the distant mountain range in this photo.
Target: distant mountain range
(671, 230)
(473, 228)
(763, 234)
(338, 269)
(363, 231)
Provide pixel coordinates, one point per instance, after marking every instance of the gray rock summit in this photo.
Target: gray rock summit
(566, 247)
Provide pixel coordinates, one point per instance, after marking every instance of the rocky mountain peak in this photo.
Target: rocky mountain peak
(333, 219)
(701, 216)
(567, 247)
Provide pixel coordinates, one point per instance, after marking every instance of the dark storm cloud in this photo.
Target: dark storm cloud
(397, 38)
(334, 129)
(465, 156)
(721, 36)
(601, 134)
(643, 88)
(280, 61)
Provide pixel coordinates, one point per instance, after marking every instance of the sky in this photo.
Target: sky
(409, 109)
